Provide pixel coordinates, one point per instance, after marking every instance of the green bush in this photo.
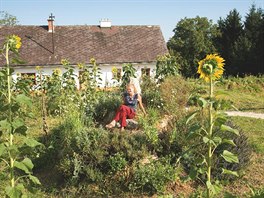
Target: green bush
(106, 107)
(242, 150)
(175, 92)
(151, 93)
(152, 177)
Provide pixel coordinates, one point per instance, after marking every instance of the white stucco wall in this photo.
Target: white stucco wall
(106, 72)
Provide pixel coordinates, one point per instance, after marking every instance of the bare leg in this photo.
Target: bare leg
(111, 124)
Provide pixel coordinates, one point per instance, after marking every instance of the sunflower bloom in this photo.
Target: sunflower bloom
(80, 65)
(211, 67)
(92, 61)
(38, 68)
(17, 41)
(65, 62)
(13, 42)
(57, 71)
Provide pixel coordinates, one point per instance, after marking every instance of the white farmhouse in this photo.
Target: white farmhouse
(111, 46)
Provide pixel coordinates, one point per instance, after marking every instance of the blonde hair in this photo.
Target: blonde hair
(132, 85)
(136, 84)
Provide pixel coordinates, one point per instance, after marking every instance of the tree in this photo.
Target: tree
(254, 33)
(231, 30)
(192, 40)
(7, 19)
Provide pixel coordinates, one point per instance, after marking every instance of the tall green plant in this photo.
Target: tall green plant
(166, 66)
(211, 69)
(89, 80)
(129, 71)
(12, 124)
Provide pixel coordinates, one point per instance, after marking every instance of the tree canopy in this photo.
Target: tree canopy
(192, 40)
(7, 19)
(239, 43)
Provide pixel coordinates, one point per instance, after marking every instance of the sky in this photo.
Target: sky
(165, 13)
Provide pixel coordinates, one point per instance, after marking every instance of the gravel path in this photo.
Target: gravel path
(245, 114)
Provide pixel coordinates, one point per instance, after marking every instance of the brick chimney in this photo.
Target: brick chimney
(105, 23)
(51, 23)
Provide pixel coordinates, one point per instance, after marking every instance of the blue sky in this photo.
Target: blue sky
(165, 13)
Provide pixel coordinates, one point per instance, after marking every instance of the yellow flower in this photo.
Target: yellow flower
(38, 68)
(114, 70)
(17, 41)
(65, 62)
(14, 43)
(80, 65)
(211, 67)
(57, 72)
(92, 61)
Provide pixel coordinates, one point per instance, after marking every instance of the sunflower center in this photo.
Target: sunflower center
(207, 68)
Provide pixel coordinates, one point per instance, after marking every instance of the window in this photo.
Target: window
(31, 77)
(145, 71)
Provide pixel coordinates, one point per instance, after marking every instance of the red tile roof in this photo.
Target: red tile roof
(118, 44)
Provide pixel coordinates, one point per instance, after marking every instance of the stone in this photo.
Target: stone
(131, 124)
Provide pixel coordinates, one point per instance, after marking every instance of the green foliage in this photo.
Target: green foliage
(207, 135)
(193, 38)
(128, 71)
(175, 92)
(148, 124)
(152, 177)
(166, 66)
(231, 29)
(107, 104)
(7, 19)
(117, 162)
(15, 145)
(240, 147)
(151, 96)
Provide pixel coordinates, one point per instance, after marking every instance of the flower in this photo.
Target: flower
(18, 41)
(38, 68)
(14, 42)
(65, 62)
(92, 61)
(114, 70)
(212, 66)
(57, 71)
(80, 65)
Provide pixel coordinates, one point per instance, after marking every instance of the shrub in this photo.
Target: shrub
(151, 93)
(175, 92)
(242, 150)
(105, 108)
(152, 177)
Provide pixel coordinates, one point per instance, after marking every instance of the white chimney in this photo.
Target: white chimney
(105, 23)
(51, 23)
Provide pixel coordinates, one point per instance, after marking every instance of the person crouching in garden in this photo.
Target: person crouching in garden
(128, 109)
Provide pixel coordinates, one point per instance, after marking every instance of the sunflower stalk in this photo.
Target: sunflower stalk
(210, 134)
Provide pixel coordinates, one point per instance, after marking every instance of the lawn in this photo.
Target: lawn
(252, 183)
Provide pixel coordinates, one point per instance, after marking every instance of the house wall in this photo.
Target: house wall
(105, 69)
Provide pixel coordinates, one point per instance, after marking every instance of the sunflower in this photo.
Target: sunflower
(92, 61)
(14, 43)
(57, 72)
(211, 67)
(17, 41)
